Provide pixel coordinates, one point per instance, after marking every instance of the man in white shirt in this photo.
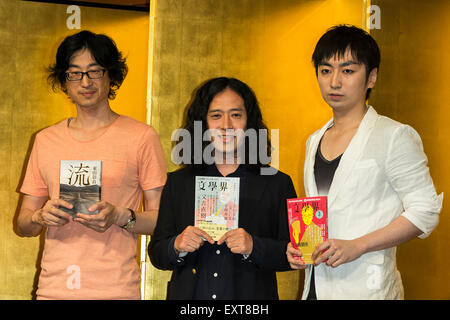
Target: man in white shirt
(380, 193)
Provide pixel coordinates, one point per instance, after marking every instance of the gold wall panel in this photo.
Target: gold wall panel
(30, 33)
(413, 88)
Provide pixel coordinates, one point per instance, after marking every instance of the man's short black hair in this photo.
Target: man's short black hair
(338, 39)
(104, 51)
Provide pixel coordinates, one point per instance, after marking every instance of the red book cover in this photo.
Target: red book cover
(308, 226)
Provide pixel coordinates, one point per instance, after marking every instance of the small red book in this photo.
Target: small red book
(308, 224)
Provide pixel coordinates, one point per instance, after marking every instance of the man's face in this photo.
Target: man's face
(226, 114)
(87, 93)
(343, 82)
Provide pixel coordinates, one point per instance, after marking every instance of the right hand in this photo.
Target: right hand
(51, 215)
(191, 240)
(293, 257)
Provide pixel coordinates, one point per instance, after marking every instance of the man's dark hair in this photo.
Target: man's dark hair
(338, 39)
(198, 110)
(104, 51)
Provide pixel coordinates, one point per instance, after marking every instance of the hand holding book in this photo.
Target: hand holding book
(191, 239)
(50, 215)
(294, 257)
(107, 215)
(238, 241)
(335, 252)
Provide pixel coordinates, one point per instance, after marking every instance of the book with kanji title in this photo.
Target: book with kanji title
(216, 204)
(308, 224)
(80, 184)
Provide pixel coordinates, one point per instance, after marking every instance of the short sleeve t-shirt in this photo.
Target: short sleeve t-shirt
(78, 262)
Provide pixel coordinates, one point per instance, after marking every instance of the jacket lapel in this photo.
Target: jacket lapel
(352, 154)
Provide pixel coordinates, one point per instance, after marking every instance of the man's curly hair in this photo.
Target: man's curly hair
(104, 51)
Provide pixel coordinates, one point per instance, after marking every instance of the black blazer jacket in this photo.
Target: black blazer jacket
(262, 213)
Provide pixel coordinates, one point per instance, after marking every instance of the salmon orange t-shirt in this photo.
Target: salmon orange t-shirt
(78, 262)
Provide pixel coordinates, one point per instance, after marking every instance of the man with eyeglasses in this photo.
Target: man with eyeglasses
(92, 256)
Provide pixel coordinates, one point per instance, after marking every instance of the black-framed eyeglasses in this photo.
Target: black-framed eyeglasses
(91, 74)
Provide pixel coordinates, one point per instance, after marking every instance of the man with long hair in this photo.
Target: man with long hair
(242, 264)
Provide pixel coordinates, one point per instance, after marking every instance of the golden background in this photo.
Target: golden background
(267, 44)
(413, 88)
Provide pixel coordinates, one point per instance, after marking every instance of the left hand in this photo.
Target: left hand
(100, 222)
(337, 252)
(238, 241)
(294, 257)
